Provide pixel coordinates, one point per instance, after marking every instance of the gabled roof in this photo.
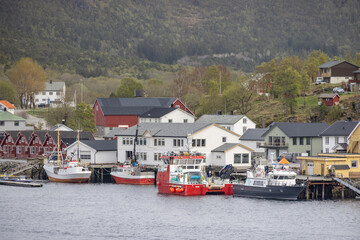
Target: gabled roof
(54, 86)
(157, 112)
(69, 137)
(340, 128)
(41, 134)
(161, 129)
(101, 145)
(6, 116)
(227, 146)
(13, 134)
(220, 119)
(132, 106)
(60, 126)
(331, 64)
(254, 134)
(328, 95)
(300, 129)
(7, 104)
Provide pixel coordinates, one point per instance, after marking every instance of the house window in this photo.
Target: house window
(85, 155)
(258, 145)
(354, 164)
(244, 129)
(283, 141)
(141, 141)
(178, 142)
(336, 140)
(57, 93)
(307, 141)
(170, 120)
(18, 150)
(308, 153)
(16, 123)
(50, 93)
(32, 150)
(43, 93)
(345, 139)
(228, 128)
(224, 139)
(37, 100)
(128, 141)
(185, 120)
(157, 156)
(270, 141)
(241, 158)
(244, 120)
(159, 142)
(199, 142)
(301, 141)
(327, 140)
(141, 156)
(294, 141)
(326, 150)
(2, 123)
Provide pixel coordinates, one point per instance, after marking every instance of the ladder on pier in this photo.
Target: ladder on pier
(347, 184)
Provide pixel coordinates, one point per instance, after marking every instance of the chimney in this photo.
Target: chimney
(63, 121)
(349, 119)
(50, 81)
(231, 112)
(172, 105)
(219, 113)
(139, 93)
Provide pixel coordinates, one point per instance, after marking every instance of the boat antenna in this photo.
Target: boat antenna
(78, 145)
(135, 142)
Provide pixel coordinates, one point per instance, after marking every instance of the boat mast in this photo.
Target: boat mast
(58, 147)
(135, 141)
(78, 146)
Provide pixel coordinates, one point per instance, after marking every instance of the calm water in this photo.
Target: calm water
(109, 211)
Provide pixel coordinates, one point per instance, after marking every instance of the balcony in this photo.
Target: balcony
(274, 145)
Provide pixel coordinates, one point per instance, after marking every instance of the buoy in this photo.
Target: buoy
(179, 190)
(172, 189)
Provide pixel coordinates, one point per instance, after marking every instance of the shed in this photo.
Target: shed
(330, 99)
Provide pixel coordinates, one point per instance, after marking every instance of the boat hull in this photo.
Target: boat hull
(268, 192)
(193, 189)
(70, 175)
(137, 180)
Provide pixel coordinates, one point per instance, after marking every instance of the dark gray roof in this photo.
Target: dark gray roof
(160, 129)
(157, 112)
(330, 64)
(300, 129)
(225, 147)
(132, 106)
(68, 137)
(254, 134)
(220, 119)
(101, 145)
(340, 128)
(341, 167)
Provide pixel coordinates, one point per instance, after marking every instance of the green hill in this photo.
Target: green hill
(101, 38)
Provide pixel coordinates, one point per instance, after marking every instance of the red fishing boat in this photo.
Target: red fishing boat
(127, 174)
(184, 174)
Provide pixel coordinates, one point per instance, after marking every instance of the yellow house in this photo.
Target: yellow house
(339, 164)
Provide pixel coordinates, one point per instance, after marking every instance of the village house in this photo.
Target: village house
(343, 165)
(329, 99)
(355, 82)
(155, 139)
(126, 112)
(6, 106)
(253, 139)
(54, 92)
(235, 123)
(336, 136)
(336, 71)
(294, 138)
(11, 122)
(93, 151)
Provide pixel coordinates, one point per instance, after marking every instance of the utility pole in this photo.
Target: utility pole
(220, 82)
(82, 89)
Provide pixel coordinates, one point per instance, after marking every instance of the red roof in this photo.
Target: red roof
(7, 104)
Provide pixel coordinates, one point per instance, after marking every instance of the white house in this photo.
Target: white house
(336, 134)
(154, 139)
(232, 153)
(61, 127)
(166, 115)
(253, 139)
(93, 151)
(6, 106)
(236, 123)
(54, 92)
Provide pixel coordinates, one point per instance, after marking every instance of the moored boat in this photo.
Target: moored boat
(184, 174)
(127, 174)
(280, 183)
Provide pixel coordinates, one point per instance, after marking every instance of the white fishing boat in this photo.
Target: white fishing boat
(69, 171)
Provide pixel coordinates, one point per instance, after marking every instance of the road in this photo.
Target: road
(30, 119)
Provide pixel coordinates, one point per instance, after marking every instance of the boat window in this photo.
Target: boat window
(258, 183)
(281, 177)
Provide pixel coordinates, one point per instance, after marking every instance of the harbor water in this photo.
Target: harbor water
(111, 211)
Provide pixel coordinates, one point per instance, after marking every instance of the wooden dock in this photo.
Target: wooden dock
(19, 183)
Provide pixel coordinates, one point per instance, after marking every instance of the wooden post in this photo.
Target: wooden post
(307, 189)
(342, 192)
(323, 191)
(102, 175)
(316, 191)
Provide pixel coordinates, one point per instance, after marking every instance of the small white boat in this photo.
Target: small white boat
(70, 172)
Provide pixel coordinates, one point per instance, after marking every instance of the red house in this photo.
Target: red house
(22, 145)
(330, 99)
(8, 144)
(115, 112)
(35, 144)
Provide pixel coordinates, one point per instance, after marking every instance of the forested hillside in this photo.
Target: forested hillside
(102, 38)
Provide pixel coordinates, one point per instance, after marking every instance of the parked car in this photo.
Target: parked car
(319, 81)
(338, 90)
